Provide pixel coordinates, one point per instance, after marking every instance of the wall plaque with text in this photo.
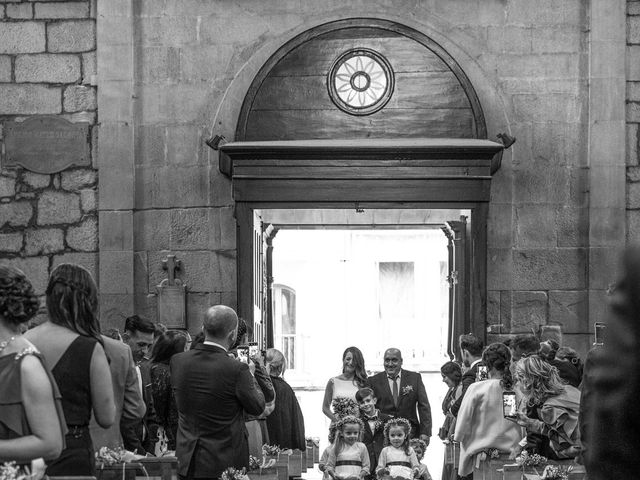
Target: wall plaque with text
(46, 144)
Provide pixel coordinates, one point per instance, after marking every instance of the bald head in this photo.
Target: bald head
(220, 324)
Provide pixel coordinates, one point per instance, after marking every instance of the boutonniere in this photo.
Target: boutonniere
(406, 390)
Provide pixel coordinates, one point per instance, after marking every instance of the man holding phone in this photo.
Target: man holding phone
(212, 393)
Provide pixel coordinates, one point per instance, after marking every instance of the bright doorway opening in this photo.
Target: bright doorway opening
(373, 288)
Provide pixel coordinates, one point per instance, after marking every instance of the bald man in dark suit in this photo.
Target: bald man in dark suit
(212, 393)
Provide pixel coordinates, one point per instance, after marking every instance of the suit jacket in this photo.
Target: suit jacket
(374, 441)
(468, 378)
(212, 393)
(129, 402)
(413, 403)
(140, 434)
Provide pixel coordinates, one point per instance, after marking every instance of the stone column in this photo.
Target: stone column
(606, 149)
(116, 104)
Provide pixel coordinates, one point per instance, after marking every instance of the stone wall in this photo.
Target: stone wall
(48, 67)
(633, 121)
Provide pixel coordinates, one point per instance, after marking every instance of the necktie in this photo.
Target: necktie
(395, 391)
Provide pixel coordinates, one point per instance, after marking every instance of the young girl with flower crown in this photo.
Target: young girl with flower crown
(348, 456)
(397, 459)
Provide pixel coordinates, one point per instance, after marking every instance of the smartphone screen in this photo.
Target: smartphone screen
(599, 329)
(254, 350)
(243, 353)
(509, 407)
(482, 374)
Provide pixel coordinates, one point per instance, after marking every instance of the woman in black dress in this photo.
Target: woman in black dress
(71, 344)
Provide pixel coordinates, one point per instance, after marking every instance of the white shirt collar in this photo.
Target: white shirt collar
(209, 342)
(475, 362)
(399, 375)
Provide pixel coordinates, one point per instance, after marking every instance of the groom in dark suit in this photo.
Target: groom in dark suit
(401, 393)
(212, 392)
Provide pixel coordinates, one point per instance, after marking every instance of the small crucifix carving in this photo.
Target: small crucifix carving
(171, 265)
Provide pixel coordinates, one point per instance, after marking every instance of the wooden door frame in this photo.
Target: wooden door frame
(476, 315)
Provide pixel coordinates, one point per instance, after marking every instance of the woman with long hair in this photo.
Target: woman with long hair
(31, 419)
(166, 346)
(481, 424)
(554, 404)
(345, 385)
(72, 346)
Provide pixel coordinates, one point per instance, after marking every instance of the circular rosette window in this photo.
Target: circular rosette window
(360, 81)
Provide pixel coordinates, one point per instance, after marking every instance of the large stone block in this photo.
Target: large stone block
(191, 229)
(606, 226)
(5, 68)
(35, 180)
(15, 214)
(632, 144)
(548, 185)
(493, 308)
(7, 187)
(146, 305)
(603, 266)
(219, 190)
(116, 230)
(633, 225)
(172, 186)
(197, 305)
(71, 36)
(633, 8)
(572, 225)
(89, 67)
(22, 11)
(151, 229)
(11, 242)
(547, 12)
(84, 237)
(36, 270)
(160, 65)
(633, 30)
(78, 178)
(26, 99)
(535, 226)
(151, 145)
(633, 112)
(558, 39)
(633, 195)
(116, 272)
(62, 10)
(550, 269)
(86, 260)
(169, 30)
(78, 98)
(569, 309)
(633, 174)
(44, 241)
(632, 59)
(223, 224)
(184, 145)
(529, 311)
(88, 200)
(47, 68)
(58, 207)
(510, 39)
(499, 268)
(560, 107)
(141, 274)
(114, 308)
(22, 37)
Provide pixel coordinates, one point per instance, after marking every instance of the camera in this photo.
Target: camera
(243, 353)
(482, 374)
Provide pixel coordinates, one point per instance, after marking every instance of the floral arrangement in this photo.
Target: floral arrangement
(270, 450)
(234, 474)
(406, 390)
(256, 464)
(556, 472)
(312, 441)
(343, 406)
(106, 456)
(9, 471)
(526, 460)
